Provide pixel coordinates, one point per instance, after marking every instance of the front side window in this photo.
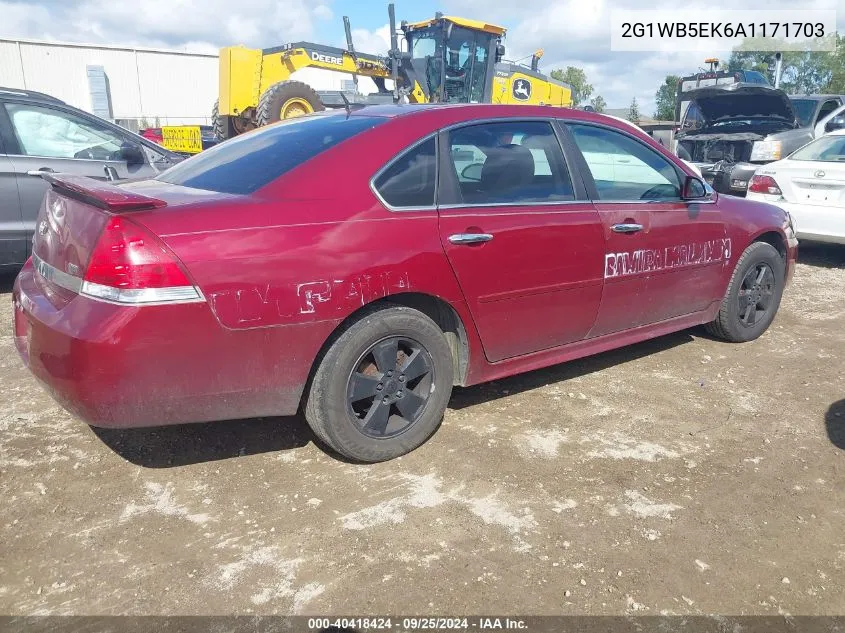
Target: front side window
(48, 132)
(247, 162)
(424, 44)
(829, 149)
(623, 168)
(409, 181)
(509, 163)
(466, 65)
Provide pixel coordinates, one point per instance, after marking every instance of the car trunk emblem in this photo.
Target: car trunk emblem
(819, 174)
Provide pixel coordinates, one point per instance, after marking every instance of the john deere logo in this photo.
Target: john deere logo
(522, 90)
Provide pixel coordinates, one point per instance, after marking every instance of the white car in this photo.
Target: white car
(810, 185)
(692, 166)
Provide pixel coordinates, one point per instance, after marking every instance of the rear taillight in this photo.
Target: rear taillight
(130, 265)
(764, 184)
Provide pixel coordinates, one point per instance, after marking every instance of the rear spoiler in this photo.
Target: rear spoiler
(101, 194)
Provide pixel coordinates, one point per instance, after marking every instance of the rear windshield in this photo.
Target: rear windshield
(246, 163)
(829, 149)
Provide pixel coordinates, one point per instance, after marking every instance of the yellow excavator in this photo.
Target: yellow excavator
(445, 60)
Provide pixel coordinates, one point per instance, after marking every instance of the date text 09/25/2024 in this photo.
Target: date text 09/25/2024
(418, 623)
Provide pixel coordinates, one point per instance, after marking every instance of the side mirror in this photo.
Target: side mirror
(694, 189)
(132, 154)
(836, 123)
(500, 52)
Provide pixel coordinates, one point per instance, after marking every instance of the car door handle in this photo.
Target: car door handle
(626, 227)
(470, 238)
(40, 172)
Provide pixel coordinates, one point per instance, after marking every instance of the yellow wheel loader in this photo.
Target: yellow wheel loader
(444, 60)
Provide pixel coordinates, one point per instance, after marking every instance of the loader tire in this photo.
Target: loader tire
(287, 100)
(219, 123)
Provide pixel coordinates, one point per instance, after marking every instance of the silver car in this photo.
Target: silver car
(38, 134)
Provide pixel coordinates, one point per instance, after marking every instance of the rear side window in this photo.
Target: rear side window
(246, 163)
(518, 162)
(409, 181)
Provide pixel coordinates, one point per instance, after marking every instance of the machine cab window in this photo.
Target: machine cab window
(452, 61)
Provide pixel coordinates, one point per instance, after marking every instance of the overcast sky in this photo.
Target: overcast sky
(572, 32)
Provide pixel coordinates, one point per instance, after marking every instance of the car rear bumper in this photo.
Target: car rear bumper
(815, 223)
(730, 179)
(116, 366)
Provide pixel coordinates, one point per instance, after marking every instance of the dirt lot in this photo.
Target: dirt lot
(680, 476)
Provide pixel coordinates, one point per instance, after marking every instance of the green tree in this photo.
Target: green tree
(634, 112)
(836, 65)
(807, 73)
(761, 61)
(577, 78)
(664, 99)
(802, 72)
(599, 104)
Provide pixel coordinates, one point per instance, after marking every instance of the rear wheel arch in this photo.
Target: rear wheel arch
(435, 308)
(449, 321)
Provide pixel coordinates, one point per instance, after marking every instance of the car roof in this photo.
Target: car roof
(736, 87)
(28, 94)
(816, 97)
(462, 112)
(40, 97)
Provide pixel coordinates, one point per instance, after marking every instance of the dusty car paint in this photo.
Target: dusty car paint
(281, 269)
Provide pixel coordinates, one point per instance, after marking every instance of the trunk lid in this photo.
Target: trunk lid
(73, 215)
(811, 183)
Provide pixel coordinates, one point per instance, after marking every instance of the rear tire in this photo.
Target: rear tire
(753, 296)
(287, 100)
(382, 387)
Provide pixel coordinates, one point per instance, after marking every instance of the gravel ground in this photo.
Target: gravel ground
(679, 476)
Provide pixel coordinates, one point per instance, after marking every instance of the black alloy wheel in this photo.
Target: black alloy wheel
(755, 296)
(389, 388)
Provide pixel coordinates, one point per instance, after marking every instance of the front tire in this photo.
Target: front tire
(287, 100)
(383, 386)
(753, 296)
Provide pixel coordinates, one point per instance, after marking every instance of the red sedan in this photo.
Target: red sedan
(357, 266)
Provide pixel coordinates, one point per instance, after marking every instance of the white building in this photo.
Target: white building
(135, 87)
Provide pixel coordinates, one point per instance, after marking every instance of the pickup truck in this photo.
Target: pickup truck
(730, 131)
